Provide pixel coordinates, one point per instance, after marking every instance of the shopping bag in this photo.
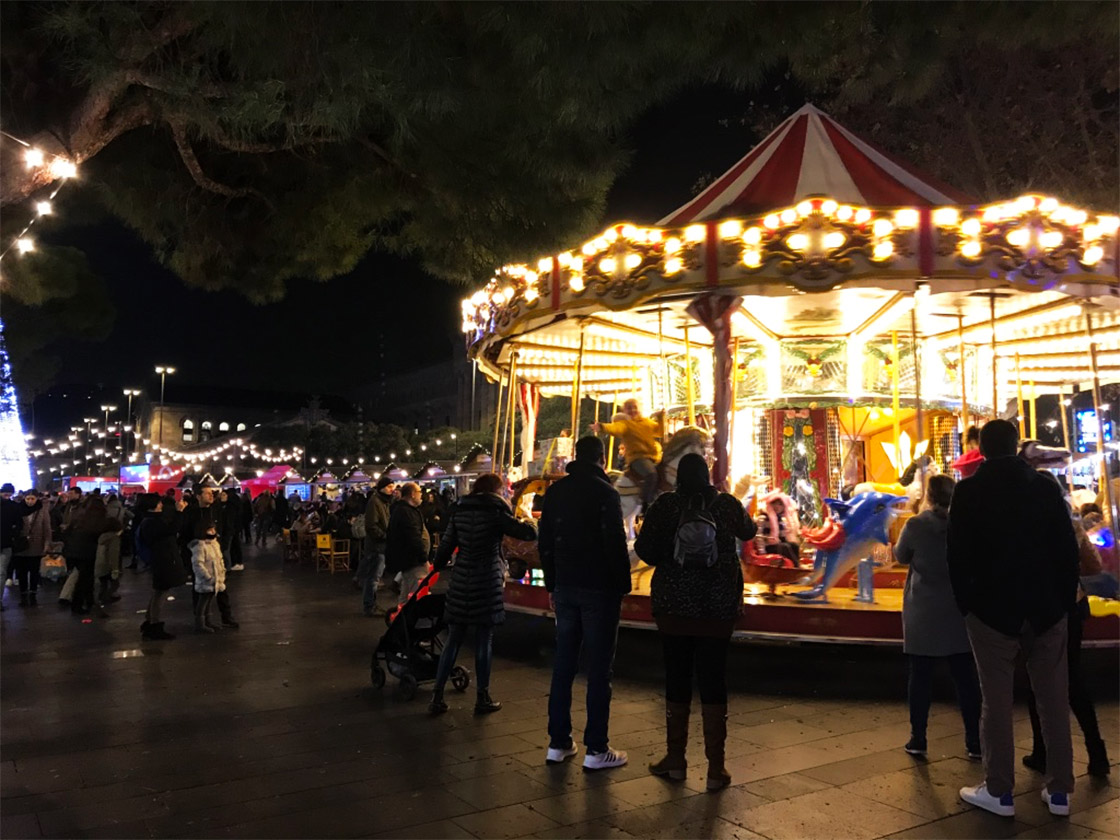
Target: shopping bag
(52, 567)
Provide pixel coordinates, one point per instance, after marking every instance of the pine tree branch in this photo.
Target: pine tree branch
(186, 153)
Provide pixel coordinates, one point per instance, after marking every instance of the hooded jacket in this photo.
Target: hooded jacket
(582, 542)
(37, 528)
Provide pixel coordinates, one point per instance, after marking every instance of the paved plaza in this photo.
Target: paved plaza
(274, 730)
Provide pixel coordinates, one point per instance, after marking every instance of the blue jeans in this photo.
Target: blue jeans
(483, 654)
(586, 618)
(370, 570)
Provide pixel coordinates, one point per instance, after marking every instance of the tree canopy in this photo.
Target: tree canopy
(252, 143)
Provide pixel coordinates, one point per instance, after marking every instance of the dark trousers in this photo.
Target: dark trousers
(234, 551)
(483, 654)
(247, 527)
(1079, 700)
(83, 592)
(919, 690)
(587, 619)
(221, 599)
(704, 656)
(26, 571)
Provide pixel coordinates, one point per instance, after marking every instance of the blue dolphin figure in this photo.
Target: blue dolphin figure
(865, 519)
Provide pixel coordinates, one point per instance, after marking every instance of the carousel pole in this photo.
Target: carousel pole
(577, 385)
(511, 415)
(497, 425)
(1065, 431)
(1019, 399)
(664, 363)
(610, 439)
(960, 373)
(920, 420)
(1034, 417)
(895, 401)
(995, 359)
(690, 396)
(734, 402)
(1100, 426)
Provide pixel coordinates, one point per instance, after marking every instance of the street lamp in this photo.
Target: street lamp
(107, 409)
(130, 393)
(89, 421)
(164, 371)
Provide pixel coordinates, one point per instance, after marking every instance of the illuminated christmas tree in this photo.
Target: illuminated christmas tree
(13, 446)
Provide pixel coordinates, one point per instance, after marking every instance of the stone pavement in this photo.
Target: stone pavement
(273, 730)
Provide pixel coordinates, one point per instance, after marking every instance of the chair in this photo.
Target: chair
(306, 546)
(291, 546)
(322, 552)
(340, 556)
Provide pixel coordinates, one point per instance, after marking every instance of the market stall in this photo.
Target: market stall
(823, 320)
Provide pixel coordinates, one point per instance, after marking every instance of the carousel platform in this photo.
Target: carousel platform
(842, 620)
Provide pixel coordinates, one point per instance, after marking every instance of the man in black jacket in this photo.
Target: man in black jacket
(1013, 563)
(11, 524)
(408, 544)
(586, 571)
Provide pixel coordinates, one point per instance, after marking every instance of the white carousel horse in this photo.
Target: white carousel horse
(686, 440)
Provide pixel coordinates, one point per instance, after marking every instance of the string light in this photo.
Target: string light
(61, 169)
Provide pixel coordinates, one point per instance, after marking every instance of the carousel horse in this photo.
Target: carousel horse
(629, 486)
(908, 484)
(1044, 457)
(862, 523)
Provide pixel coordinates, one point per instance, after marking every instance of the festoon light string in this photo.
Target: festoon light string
(61, 169)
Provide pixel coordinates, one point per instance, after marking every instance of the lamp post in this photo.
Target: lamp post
(163, 371)
(107, 409)
(89, 421)
(130, 393)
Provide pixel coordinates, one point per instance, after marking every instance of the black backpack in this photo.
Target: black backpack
(694, 545)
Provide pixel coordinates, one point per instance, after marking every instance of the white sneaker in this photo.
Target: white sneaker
(1004, 805)
(237, 567)
(557, 755)
(604, 760)
(1058, 803)
(9, 582)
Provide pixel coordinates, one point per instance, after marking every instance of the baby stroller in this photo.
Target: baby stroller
(411, 646)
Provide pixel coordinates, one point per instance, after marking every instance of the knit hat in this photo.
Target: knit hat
(384, 482)
(8, 488)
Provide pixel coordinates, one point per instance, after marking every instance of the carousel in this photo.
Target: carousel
(824, 322)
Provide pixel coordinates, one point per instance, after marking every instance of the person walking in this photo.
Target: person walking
(199, 535)
(1013, 566)
(582, 544)
(407, 544)
(475, 530)
(689, 536)
(158, 533)
(230, 530)
(932, 626)
(372, 565)
(263, 508)
(246, 517)
(35, 534)
(88, 524)
(10, 525)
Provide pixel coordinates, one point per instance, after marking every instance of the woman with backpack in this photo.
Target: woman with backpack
(689, 536)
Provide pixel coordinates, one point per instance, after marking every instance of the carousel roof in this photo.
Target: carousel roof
(811, 154)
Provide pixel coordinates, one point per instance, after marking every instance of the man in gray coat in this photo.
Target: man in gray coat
(372, 565)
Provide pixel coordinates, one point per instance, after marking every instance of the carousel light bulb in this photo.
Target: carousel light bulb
(844, 212)
(694, 233)
(653, 235)
(1091, 233)
(1048, 205)
(1093, 255)
(507, 293)
(828, 207)
(798, 241)
(575, 282)
(834, 240)
(632, 261)
(1108, 224)
(906, 218)
(564, 259)
(478, 298)
(531, 293)
(629, 232)
(673, 265)
(788, 217)
(1019, 237)
(771, 221)
(672, 245)
(43, 208)
(971, 227)
(752, 258)
(883, 250)
(611, 235)
(946, 216)
(1051, 239)
(33, 158)
(497, 298)
(882, 227)
(1024, 204)
(576, 264)
(601, 243)
(607, 265)
(62, 168)
(970, 249)
(805, 208)
(544, 264)
(25, 245)
(588, 249)
(1077, 217)
(752, 235)
(730, 229)
(863, 216)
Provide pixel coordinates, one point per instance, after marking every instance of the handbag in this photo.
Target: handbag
(52, 566)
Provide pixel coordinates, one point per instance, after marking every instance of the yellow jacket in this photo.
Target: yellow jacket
(638, 436)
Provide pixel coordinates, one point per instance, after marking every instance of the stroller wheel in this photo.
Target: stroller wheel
(408, 686)
(460, 678)
(377, 676)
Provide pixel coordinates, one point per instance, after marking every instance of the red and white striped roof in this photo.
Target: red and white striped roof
(812, 154)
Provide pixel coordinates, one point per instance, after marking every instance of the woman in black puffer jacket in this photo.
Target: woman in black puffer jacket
(695, 609)
(475, 527)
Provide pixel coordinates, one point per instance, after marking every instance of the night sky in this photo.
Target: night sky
(321, 337)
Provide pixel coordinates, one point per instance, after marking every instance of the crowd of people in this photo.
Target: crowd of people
(976, 596)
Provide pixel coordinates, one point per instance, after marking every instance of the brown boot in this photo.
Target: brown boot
(715, 737)
(673, 765)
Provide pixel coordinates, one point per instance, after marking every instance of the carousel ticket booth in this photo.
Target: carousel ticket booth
(828, 322)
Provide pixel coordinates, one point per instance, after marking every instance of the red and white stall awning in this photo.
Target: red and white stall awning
(812, 154)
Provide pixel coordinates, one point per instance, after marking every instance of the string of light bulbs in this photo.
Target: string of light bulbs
(61, 169)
